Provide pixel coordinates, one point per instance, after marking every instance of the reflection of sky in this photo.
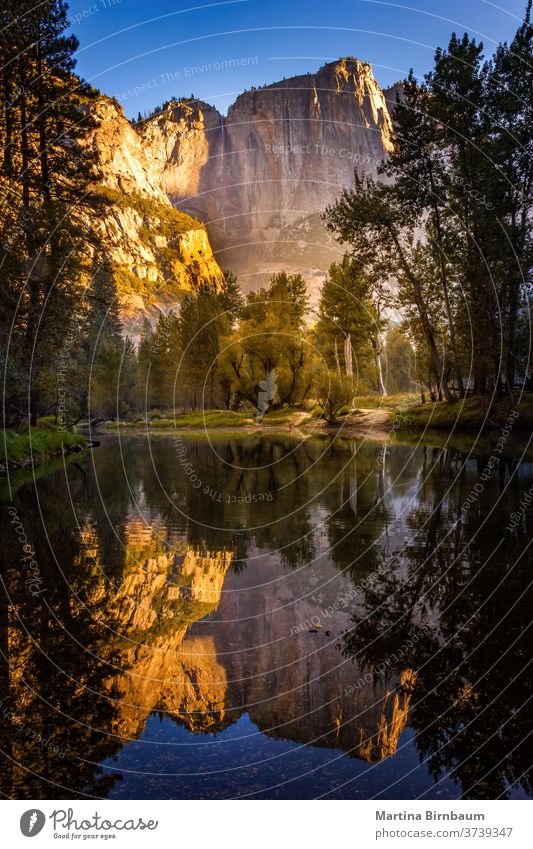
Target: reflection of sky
(257, 762)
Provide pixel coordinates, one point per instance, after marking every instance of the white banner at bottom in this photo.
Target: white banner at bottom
(267, 824)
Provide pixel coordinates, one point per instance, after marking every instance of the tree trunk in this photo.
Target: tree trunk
(424, 318)
(337, 359)
(7, 165)
(445, 292)
(43, 147)
(24, 146)
(378, 348)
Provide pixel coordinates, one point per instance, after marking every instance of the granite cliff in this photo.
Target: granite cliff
(158, 252)
(252, 183)
(260, 177)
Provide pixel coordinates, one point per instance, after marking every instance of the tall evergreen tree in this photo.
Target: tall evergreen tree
(510, 112)
(44, 175)
(452, 224)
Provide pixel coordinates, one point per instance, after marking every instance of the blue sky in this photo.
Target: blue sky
(146, 52)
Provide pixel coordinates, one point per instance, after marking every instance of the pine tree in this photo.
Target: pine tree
(110, 358)
(510, 111)
(453, 223)
(44, 176)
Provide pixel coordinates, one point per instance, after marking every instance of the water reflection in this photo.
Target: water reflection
(298, 619)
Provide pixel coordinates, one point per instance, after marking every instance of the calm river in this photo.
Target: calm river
(261, 617)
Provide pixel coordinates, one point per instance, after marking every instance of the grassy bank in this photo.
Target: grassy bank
(207, 419)
(36, 446)
(471, 414)
(468, 415)
(387, 402)
(216, 420)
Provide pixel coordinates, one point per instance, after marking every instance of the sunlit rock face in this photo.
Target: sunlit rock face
(260, 177)
(158, 253)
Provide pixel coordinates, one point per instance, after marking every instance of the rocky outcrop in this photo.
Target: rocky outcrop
(260, 177)
(258, 180)
(158, 252)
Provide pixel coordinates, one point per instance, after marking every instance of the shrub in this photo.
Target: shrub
(334, 393)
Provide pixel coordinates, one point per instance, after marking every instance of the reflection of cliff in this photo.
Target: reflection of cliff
(259, 654)
(288, 674)
(392, 721)
(159, 598)
(253, 647)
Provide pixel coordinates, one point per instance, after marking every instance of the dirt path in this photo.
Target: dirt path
(374, 423)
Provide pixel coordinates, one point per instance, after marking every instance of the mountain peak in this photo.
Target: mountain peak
(259, 178)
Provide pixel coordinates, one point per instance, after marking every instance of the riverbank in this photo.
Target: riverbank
(204, 420)
(216, 420)
(372, 416)
(373, 423)
(36, 446)
(477, 413)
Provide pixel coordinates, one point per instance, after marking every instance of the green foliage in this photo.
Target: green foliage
(350, 321)
(39, 444)
(345, 312)
(209, 419)
(392, 402)
(178, 359)
(452, 222)
(334, 394)
(399, 361)
(269, 348)
(474, 413)
(168, 221)
(212, 419)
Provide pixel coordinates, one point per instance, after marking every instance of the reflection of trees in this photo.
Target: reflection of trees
(433, 613)
(268, 485)
(456, 607)
(51, 666)
(357, 511)
(236, 498)
(86, 661)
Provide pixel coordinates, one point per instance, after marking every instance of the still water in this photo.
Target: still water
(261, 617)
